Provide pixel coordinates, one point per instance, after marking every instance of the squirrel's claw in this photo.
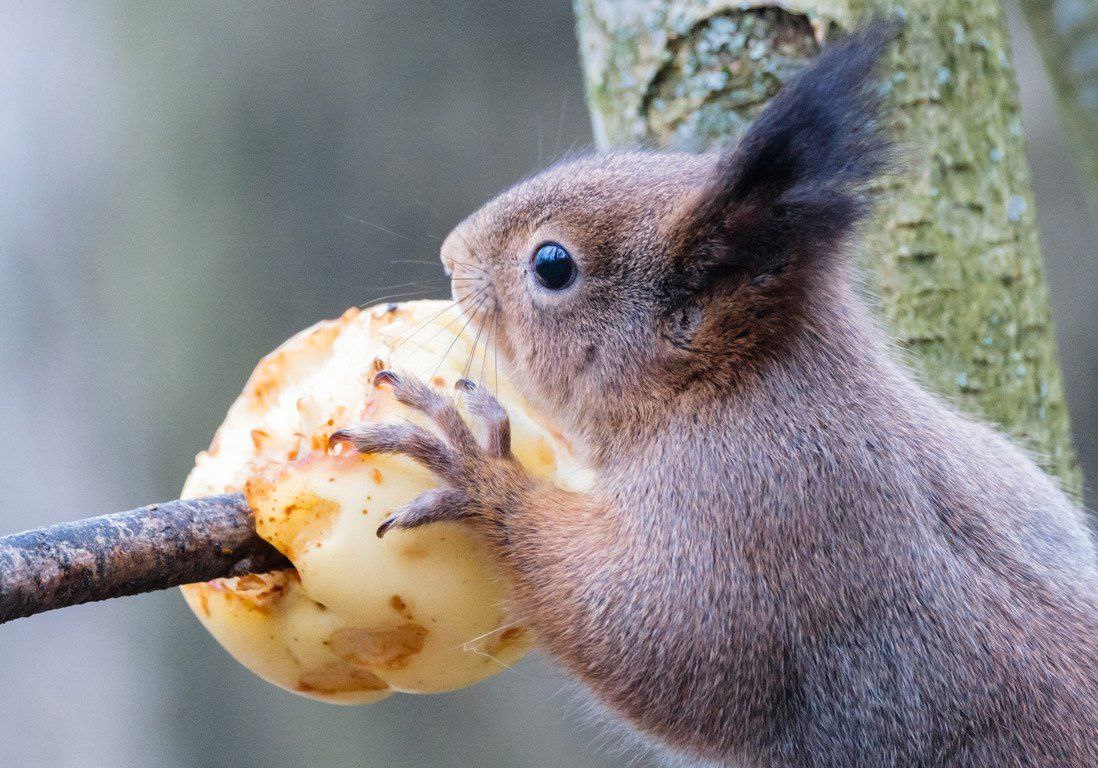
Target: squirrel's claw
(474, 475)
(484, 405)
(431, 506)
(438, 407)
(412, 440)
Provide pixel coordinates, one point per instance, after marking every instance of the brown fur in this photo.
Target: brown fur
(794, 555)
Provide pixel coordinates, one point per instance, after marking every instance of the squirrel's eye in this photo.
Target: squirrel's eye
(554, 267)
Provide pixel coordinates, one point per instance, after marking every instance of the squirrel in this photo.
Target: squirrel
(793, 554)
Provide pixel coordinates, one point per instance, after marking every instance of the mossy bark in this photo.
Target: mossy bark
(1066, 32)
(952, 250)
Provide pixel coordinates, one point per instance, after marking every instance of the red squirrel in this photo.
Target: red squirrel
(793, 555)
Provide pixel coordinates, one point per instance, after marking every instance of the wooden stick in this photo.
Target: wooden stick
(149, 548)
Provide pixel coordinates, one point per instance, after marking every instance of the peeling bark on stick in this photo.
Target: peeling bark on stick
(952, 251)
(145, 549)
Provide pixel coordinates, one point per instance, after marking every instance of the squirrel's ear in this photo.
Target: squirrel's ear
(793, 187)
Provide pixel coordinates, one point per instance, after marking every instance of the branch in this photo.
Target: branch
(146, 549)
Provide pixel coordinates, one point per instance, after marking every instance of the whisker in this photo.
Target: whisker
(428, 262)
(472, 646)
(431, 262)
(437, 332)
(378, 226)
(484, 360)
(425, 283)
(472, 641)
(489, 346)
(477, 272)
(456, 337)
(466, 264)
(495, 353)
(476, 341)
(404, 284)
(401, 295)
(433, 240)
(415, 332)
(435, 213)
(423, 325)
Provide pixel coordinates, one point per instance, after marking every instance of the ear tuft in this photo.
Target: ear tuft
(794, 184)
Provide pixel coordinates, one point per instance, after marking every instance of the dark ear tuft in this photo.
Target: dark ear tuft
(793, 186)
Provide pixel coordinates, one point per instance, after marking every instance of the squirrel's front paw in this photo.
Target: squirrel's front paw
(481, 481)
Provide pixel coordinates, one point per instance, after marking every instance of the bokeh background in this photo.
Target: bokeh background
(182, 186)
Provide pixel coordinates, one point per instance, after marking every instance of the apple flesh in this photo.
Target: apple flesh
(359, 617)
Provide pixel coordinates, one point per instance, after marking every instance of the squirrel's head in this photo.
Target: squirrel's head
(616, 276)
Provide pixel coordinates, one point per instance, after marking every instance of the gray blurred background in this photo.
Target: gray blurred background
(184, 185)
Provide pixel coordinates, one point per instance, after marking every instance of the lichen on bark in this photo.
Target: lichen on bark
(951, 252)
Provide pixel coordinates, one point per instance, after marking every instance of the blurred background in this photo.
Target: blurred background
(184, 185)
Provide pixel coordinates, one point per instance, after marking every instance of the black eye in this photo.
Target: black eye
(554, 267)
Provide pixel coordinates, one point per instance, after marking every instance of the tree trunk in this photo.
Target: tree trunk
(1066, 32)
(952, 250)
